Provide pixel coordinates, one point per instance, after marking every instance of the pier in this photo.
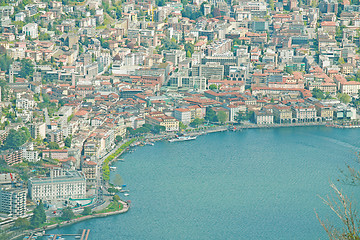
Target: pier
(84, 235)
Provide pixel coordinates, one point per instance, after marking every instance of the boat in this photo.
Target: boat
(126, 194)
(112, 168)
(182, 138)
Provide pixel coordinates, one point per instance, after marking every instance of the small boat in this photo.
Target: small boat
(112, 168)
(126, 194)
(182, 138)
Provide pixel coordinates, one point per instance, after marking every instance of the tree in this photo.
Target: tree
(158, 129)
(67, 214)
(188, 54)
(27, 68)
(222, 116)
(341, 60)
(213, 87)
(87, 211)
(22, 223)
(189, 47)
(244, 116)
(39, 216)
(116, 198)
(67, 142)
(53, 145)
(118, 138)
(5, 62)
(112, 190)
(196, 122)
(211, 115)
(182, 125)
(343, 208)
(16, 138)
(317, 93)
(343, 97)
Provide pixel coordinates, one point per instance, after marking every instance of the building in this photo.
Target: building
(209, 70)
(160, 119)
(28, 152)
(183, 115)
(55, 136)
(25, 103)
(59, 186)
(38, 130)
(304, 113)
(90, 170)
(282, 113)
(31, 30)
(12, 157)
(58, 154)
(264, 117)
(13, 202)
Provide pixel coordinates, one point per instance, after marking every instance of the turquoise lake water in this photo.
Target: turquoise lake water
(253, 184)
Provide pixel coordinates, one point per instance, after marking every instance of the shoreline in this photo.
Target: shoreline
(126, 208)
(156, 138)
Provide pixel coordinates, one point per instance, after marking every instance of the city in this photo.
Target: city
(82, 82)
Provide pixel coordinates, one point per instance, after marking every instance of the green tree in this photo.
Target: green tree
(158, 129)
(188, 54)
(67, 142)
(344, 98)
(222, 117)
(118, 138)
(67, 214)
(16, 138)
(213, 87)
(112, 190)
(189, 47)
(244, 116)
(116, 198)
(39, 216)
(53, 145)
(341, 60)
(211, 115)
(182, 125)
(196, 122)
(5, 62)
(87, 211)
(22, 223)
(27, 68)
(317, 93)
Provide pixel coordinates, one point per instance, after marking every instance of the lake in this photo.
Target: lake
(252, 184)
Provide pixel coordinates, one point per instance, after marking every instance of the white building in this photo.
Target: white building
(38, 130)
(13, 202)
(25, 103)
(31, 30)
(264, 117)
(61, 185)
(183, 115)
(29, 153)
(20, 17)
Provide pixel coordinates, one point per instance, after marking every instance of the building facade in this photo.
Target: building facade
(13, 202)
(60, 185)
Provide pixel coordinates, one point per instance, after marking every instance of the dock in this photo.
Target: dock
(84, 235)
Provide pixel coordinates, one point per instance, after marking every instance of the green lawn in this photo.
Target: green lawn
(113, 206)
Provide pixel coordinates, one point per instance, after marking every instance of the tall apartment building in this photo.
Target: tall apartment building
(59, 186)
(12, 157)
(13, 202)
(38, 130)
(90, 170)
(209, 70)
